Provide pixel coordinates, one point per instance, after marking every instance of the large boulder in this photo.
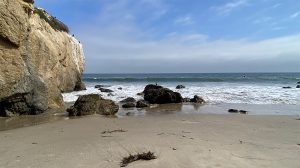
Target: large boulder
(298, 86)
(158, 95)
(92, 104)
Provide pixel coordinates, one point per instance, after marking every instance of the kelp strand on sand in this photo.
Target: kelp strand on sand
(140, 156)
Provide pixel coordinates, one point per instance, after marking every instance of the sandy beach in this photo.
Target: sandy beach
(178, 140)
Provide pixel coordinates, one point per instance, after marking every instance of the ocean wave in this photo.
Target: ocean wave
(218, 93)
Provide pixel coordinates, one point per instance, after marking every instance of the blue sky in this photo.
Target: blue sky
(137, 36)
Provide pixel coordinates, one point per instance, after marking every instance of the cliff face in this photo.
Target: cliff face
(37, 62)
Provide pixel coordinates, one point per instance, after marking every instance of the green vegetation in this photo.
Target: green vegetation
(53, 22)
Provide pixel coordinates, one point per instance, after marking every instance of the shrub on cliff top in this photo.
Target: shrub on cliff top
(52, 21)
(29, 1)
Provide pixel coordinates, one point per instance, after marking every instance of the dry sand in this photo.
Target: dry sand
(179, 141)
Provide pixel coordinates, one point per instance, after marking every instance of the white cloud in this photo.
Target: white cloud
(184, 20)
(262, 20)
(295, 15)
(227, 8)
(276, 5)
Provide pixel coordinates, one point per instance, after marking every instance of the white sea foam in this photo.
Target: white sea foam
(212, 93)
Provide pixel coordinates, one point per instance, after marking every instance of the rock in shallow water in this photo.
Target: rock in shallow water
(197, 99)
(186, 100)
(298, 86)
(155, 94)
(233, 111)
(91, 104)
(142, 104)
(128, 105)
(180, 87)
(128, 100)
(105, 90)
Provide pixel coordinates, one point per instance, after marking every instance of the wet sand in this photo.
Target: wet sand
(178, 140)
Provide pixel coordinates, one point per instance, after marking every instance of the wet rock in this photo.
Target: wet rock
(298, 86)
(186, 100)
(120, 88)
(128, 100)
(128, 105)
(233, 111)
(151, 87)
(155, 94)
(197, 99)
(286, 87)
(105, 90)
(298, 82)
(180, 87)
(22, 104)
(79, 86)
(101, 86)
(91, 104)
(140, 94)
(142, 104)
(243, 112)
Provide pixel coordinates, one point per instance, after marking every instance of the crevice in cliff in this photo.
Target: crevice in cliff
(7, 43)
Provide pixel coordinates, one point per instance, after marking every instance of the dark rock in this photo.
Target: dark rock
(197, 99)
(155, 94)
(186, 100)
(140, 94)
(128, 100)
(298, 82)
(128, 105)
(101, 86)
(91, 104)
(79, 86)
(29, 103)
(105, 90)
(243, 111)
(142, 104)
(180, 87)
(233, 111)
(120, 88)
(298, 86)
(286, 87)
(151, 87)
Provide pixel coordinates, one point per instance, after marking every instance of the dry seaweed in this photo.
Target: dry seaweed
(113, 131)
(140, 156)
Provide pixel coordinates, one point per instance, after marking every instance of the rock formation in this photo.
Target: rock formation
(155, 94)
(38, 60)
(92, 104)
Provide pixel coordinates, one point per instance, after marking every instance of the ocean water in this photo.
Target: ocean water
(215, 88)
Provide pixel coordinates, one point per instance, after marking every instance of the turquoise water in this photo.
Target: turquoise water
(283, 78)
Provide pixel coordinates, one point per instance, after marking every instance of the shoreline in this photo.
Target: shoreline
(55, 115)
(194, 140)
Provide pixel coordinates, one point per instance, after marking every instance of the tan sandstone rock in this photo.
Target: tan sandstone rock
(37, 62)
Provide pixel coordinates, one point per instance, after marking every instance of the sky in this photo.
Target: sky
(173, 36)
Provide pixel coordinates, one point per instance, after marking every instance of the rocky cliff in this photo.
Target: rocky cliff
(37, 61)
